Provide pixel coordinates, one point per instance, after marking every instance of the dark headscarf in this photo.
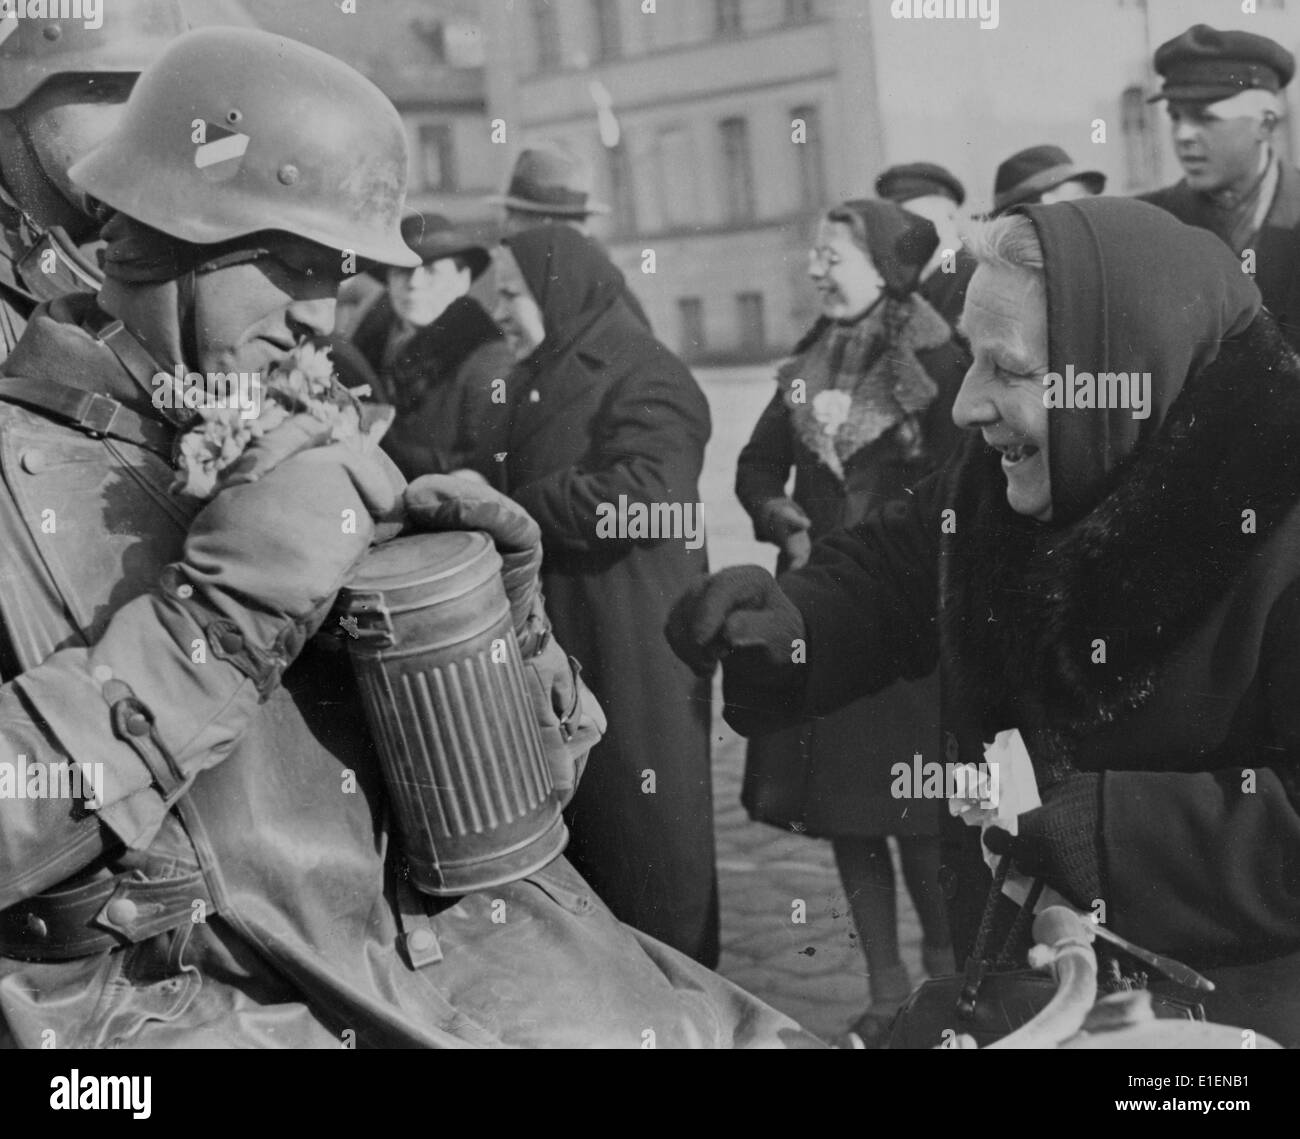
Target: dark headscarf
(899, 243)
(1129, 289)
(573, 282)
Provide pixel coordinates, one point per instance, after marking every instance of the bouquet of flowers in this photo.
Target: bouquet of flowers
(304, 381)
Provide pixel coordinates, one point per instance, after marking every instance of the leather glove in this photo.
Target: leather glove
(444, 502)
(569, 716)
(1059, 841)
(739, 616)
(264, 559)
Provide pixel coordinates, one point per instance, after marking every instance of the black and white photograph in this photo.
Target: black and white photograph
(650, 525)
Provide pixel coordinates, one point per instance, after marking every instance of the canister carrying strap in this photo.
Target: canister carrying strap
(60, 925)
(97, 415)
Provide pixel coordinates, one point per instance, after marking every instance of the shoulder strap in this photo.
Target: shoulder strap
(97, 415)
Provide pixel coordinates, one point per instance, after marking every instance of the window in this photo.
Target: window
(675, 166)
(1141, 148)
(546, 33)
(753, 331)
(605, 19)
(810, 156)
(738, 170)
(690, 311)
(726, 17)
(798, 11)
(436, 157)
(620, 183)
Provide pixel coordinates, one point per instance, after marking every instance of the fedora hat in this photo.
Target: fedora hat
(432, 237)
(1035, 170)
(550, 180)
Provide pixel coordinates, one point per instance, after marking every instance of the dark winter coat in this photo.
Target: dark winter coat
(830, 776)
(1194, 724)
(615, 415)
(1276, 245)
(448, 386)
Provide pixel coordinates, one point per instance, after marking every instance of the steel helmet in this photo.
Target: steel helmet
(126, 37)
(232, 131)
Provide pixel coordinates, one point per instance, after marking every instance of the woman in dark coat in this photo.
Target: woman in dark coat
(605, 423)
(861, 412)
(1118, 582)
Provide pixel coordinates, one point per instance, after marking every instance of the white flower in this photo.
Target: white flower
(831, 409)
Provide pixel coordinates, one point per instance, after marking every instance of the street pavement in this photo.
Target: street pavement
(813, 970)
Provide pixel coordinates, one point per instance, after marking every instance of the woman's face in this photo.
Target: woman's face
(516, 311)
(845, 278)
(1002, 396)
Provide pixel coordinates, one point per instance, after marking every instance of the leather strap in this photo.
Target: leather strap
(97, 415)
(100, 915)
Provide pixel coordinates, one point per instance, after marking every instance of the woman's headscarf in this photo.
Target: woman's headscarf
(1129, 289)
(898, 243)
(572, 280)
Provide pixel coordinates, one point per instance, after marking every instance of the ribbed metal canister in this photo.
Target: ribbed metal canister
(443, 686)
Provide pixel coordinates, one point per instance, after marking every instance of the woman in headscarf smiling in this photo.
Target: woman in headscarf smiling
(862, 410)
(1123, 592)
(609, 427)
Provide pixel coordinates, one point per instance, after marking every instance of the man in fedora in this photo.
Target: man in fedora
(1042, 175)
(1222, 90)
(934, 193)
(437, 355)
(550, 185)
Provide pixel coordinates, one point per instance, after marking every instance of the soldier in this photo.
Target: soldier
(62, 88)
(1222, 91)
(229, 881)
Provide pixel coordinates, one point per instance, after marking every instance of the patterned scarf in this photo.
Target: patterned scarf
(855, 382)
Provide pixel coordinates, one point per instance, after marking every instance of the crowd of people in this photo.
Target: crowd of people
(950, 555)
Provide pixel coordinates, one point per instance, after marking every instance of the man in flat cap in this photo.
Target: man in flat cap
(1222, 91)
(934, 193)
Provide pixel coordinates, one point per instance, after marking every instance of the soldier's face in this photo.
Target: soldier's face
(1216, 153)
(1005, 319)
(67, 117)
(248, 316)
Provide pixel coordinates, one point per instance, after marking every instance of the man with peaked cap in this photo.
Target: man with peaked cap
(62, 87)
(225, 872)
(438, 357)
(550, 185)
(1222, 90)
(934, 193)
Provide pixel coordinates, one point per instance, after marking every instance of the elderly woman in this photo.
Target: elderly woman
(862, 410)
(605, 446)
(1109, 568)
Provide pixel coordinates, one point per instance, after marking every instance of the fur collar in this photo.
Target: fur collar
(1022, 605)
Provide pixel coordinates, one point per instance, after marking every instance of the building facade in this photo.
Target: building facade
(717, 129)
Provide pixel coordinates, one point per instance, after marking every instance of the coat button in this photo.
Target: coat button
(121, 911)
(948, 882)
(137, 723)
(231, 642)
(421, 940)
(534, 396)
(34, 462)
(36, 927)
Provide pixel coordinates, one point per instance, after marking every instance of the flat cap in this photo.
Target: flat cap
(1206, 64)
(918, 180)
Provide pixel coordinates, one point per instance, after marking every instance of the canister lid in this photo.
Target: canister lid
(445, 564)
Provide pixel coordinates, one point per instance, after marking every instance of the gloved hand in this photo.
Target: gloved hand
(1060, 841)
(444, 502)
(569, 716)
(739, 616)
(264, 559)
